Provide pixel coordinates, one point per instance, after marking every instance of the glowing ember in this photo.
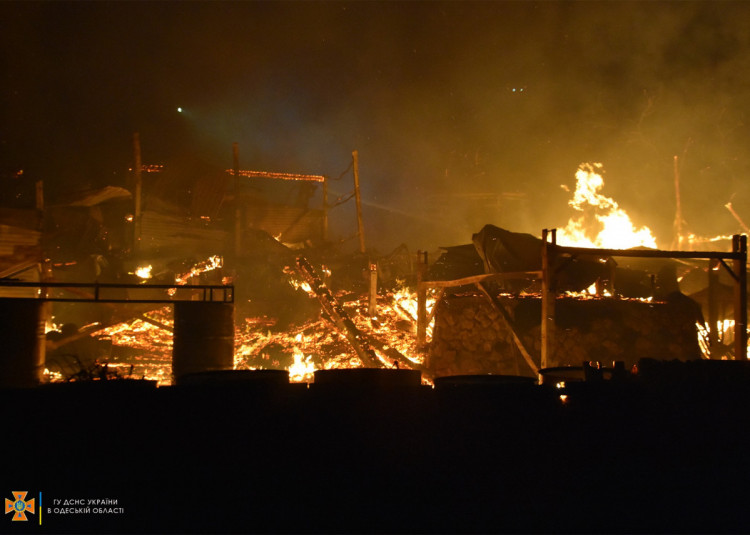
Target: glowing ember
(610, 226)
(150, 346)
(278, 176)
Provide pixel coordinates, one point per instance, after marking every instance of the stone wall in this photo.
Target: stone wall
(471, 337)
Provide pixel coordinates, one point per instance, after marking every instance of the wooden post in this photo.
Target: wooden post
(325, 209)
(713, 305)
(373, 304)
(137, 191)
(45, 275)
(678, 207)
(358, 199)
(548, 297)
(421, 299)
(739, 267)
(39, 190)
(237, 205)
(40, 204)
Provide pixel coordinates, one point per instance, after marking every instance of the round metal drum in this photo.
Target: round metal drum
(368, 377)
(483, 380)
(22, 341)
(237, 377)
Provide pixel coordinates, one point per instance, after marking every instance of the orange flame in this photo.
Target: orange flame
(610, 227)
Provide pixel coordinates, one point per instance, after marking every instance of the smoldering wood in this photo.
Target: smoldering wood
(337, 314)
(372, 308)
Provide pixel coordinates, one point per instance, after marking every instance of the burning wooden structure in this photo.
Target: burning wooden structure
(510, 333)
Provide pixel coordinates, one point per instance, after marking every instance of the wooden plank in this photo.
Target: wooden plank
(481, 278)
(644, 253)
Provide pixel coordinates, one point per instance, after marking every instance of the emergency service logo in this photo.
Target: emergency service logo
(19, 505)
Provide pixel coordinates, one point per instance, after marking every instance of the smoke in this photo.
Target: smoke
(463, 113)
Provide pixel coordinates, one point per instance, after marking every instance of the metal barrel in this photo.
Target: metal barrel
(203, 338)
(368, 378)
(22, 342)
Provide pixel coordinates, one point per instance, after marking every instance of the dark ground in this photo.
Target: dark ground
(664, 452)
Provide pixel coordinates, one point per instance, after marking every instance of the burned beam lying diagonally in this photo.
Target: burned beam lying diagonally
(337, 314)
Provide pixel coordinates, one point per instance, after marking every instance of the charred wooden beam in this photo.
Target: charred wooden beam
(372, 306)
(509, 323)
(337, 314)
(421, 299)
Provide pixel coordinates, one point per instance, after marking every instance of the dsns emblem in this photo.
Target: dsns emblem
(19, 505)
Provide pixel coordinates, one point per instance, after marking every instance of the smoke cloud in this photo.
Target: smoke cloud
(463, 113)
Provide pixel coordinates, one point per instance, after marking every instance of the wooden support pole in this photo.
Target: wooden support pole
(739, 267)
(372, 309)
(548, 297)
(137, 187)
(39, 195)
(678, 221)
(237, 203)
(358, 199)
(39, 204)
(421, 299)
(713, 306)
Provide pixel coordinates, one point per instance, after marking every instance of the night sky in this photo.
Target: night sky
(441, 99)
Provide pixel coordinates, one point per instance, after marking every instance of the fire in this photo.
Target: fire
(302, 369)
(152, 345)
(210, 264)
(296, 283)
(615, 229)
(143, 272)
(724, 337)
(301, 349)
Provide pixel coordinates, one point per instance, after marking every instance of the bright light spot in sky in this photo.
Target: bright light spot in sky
(179, 110)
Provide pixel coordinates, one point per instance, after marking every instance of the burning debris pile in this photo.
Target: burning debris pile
(304, 308)
(280, 322)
